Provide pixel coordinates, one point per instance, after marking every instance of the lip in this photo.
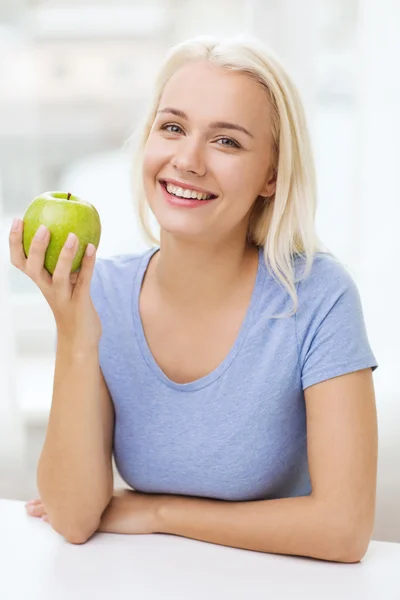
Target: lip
(187, 186)
(182, 202)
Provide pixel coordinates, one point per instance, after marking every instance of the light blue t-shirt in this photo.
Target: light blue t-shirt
(239, 433)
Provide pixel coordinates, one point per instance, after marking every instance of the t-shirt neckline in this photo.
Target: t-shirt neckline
(211, 377)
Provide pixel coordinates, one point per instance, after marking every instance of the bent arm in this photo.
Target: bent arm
(295, 526)
(74, 475)
(335, 522)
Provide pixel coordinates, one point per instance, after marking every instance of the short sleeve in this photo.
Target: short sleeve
(332, 334)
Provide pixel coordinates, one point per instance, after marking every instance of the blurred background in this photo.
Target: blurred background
(74, 77)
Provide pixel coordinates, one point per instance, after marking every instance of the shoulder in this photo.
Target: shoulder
(325, 268)
(331, 331)
(326, 281)
(318, 285)
(328, 298)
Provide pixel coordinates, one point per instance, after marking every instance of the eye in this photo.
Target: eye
(168, 126)
(231, 143)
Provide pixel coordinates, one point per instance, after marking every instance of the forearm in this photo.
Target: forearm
(296, 526)
(74, 477)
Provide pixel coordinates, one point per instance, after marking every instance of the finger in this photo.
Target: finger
(34, 501)
(86, 272)
(32, 507)
(73, 277)
(62, 272)
(17, 254)
(35, 261)
(36, 510)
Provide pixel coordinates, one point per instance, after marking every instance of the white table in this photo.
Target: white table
(36, 563)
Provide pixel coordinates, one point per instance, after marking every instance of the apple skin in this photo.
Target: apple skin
(61, 213)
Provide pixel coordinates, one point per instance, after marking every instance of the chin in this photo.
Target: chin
(182, 230)
(183, 224)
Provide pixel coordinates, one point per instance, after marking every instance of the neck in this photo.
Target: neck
(190, 274)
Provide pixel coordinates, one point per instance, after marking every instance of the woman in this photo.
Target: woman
(228, 367)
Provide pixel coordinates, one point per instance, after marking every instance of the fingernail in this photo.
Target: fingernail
(90, 249)
(41, 233)
(15, 224)
(71, 239)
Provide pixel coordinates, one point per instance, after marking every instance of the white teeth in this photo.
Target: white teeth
(185, 193)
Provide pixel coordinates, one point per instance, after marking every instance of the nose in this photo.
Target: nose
(189, 158)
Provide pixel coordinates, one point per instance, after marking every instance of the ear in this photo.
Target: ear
(269, 187)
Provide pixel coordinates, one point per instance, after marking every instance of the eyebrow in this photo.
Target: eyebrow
(214, 125)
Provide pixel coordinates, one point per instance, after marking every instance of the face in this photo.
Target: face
(211, 135)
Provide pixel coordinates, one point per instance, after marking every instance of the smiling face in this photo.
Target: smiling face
(212, 133)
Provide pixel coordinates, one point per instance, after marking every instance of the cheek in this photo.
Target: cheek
(151, 160)
(154, 160)
(235, 170)
(157, 153)
(240, 183)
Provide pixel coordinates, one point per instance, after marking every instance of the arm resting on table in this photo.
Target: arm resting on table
(74, 475)
(335, 522)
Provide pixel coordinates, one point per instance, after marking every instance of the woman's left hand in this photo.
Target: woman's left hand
(131, 512)
(127, 512)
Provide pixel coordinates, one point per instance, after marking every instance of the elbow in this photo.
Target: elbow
(76, 537)
(75, 528)
(352, 554)
(74, 533)
(355, 549)
(344, 533)
(80, 536)
(348, 545)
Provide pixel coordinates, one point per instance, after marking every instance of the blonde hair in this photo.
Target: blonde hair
(282, 224)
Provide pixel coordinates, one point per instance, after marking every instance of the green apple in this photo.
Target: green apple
(62, 213)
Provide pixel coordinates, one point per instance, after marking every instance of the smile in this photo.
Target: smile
(186, 193)
(180, 198)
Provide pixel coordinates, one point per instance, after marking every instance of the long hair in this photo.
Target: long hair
(284, 223)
